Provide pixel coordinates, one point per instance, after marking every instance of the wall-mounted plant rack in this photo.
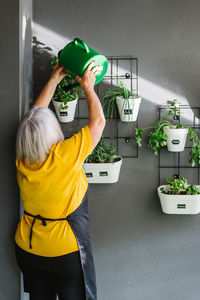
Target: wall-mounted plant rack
(123, 69)
(178, 166)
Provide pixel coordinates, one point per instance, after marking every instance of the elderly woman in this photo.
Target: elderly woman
(52, 239)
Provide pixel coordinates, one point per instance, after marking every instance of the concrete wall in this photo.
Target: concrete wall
(25, 75)
(15, 93)
(9, 118)
(139, 252)
(25, 55)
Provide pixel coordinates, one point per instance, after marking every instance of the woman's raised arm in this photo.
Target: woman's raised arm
(96, 116)
(48, 90)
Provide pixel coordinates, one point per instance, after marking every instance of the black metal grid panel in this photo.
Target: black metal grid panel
(116, 72)
(179, 166)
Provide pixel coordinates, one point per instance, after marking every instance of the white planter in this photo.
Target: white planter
(176, 138)
(179, 204)
(65, 115)
(128, 109)
(102, 172)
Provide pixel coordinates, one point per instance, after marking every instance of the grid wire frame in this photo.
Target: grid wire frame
(179, 166)
(116, 73)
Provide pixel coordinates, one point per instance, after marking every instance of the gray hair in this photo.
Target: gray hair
(37, 133)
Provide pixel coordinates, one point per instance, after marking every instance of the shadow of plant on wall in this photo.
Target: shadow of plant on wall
(42, 65)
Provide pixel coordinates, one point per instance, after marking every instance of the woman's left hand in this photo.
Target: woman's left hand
(58, 74)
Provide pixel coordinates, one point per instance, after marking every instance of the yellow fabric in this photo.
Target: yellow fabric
(53, 190)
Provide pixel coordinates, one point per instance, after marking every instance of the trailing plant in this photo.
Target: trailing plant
(195, 151)
(102, 153)
(60, 93)
(109, 99)
(179, 186)
(158, 139)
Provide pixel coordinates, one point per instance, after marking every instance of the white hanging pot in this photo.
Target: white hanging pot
(176, 138)
(65, 115)
(128, 108)
(179, 204)
(103, 172)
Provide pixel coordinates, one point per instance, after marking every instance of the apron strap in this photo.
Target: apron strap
(44, 223)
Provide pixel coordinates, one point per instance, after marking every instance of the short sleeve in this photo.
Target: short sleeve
(74, 150)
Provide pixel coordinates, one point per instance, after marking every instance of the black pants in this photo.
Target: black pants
(47, 277)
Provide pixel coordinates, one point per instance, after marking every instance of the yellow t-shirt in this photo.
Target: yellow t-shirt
(53, 190)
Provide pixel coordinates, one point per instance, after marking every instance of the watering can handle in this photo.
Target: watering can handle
(85, 46)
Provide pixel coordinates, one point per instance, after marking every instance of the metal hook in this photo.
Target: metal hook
(127, 140)
(127, 75)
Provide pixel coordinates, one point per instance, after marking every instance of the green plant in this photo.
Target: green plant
(179, 186)
(158, 139)
(192, 190)
(195, 151)
(176, 185)
(102, 153)
(60, 93)
(174, 111)
(109, 99)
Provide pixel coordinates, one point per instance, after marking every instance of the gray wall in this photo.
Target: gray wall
(15, 93)
(139, 252)
(25, 76)
(9, 116)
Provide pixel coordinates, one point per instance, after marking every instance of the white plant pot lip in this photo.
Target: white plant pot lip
(105, 164)
(173, 195)
(175, 129)
(63, 101)
(130, 98)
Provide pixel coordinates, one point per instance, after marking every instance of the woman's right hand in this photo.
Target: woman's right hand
(88, 80)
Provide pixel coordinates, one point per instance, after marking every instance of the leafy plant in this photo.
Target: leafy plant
(176, 185)
(179, 186)
(158, 139)
(192, 190)
(102, 153)
(174, 111)
(60, 93)
(195, 151)
(109, 99)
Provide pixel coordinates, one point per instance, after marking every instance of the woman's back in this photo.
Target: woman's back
(53, 190)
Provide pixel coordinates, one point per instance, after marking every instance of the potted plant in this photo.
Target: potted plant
(128, 104)
(103, 164)
(64, 99)
(164, 133)
(177, 197)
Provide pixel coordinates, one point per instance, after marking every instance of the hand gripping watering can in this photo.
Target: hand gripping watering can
(77, 55)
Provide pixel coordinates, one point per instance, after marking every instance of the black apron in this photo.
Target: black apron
(78, 221)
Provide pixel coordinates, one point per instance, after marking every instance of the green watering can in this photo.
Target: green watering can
(77, 55)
